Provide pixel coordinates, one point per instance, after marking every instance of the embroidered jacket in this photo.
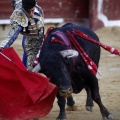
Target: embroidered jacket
(21, 24)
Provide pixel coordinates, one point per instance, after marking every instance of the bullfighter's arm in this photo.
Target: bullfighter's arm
(11, 37)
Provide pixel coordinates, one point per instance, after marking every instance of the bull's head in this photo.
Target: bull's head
(66, 89)
(57, 67)
(64, 86)
(63, 81)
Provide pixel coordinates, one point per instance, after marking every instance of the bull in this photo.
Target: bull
(72, 74)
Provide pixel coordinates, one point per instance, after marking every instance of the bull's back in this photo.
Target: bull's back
(90, 48)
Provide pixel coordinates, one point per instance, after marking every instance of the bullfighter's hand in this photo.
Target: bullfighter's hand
(1, 49)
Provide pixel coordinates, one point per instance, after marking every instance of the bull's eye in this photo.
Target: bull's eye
(61, 86)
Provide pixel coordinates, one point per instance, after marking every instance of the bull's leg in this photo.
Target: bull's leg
(71, 104)
(89, 101)
(61, 103)
(105, 113)
(96, 97)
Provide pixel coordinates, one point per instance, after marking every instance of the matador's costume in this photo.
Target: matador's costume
(32, 28)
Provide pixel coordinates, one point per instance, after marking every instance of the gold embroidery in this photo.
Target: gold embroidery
(32, 46)
(19, 17)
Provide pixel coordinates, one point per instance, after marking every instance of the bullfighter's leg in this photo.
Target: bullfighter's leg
(71, 104)
(31, 47)
(89, 101)
(94, 87)
(61, 103)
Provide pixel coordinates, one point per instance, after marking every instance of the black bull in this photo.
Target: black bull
(71, 75)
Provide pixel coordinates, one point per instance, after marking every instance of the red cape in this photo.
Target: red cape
(23, 94)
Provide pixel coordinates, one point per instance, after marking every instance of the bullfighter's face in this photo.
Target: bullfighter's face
(30, 12)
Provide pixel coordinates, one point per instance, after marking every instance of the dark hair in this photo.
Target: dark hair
(13, 4)
(28, 4)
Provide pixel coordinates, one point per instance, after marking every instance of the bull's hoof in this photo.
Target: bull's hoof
(72, 108)
(88, 108)
(61, 116)
(110, 117)
(89, 104)
(61, 119)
